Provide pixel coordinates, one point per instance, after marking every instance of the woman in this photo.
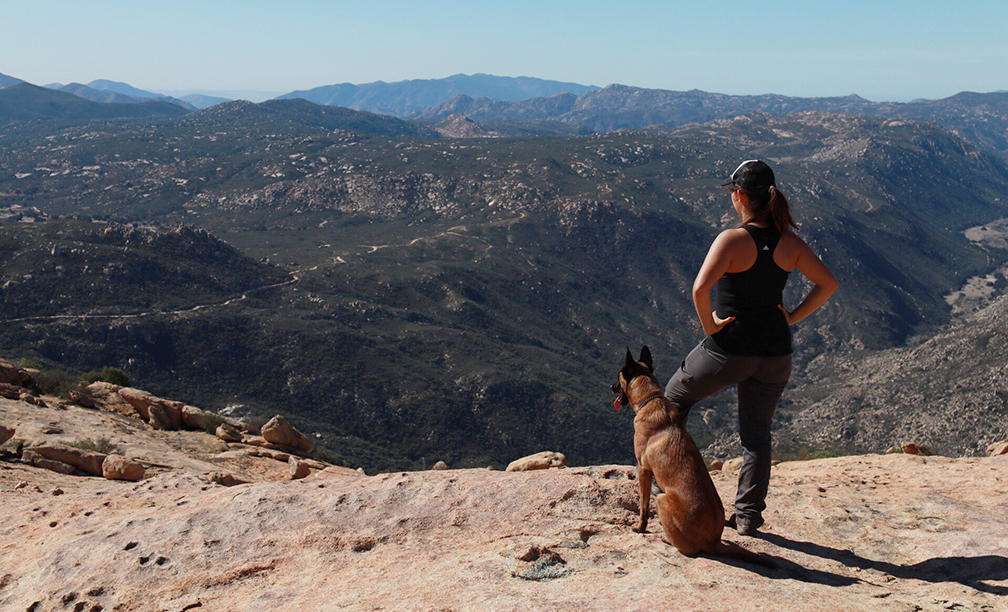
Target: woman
(748, 339)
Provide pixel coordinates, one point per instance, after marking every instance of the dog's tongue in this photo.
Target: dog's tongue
(616, 404)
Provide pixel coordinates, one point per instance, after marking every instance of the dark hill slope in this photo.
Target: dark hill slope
(26, 102)
(949, 392)
(296, 115)
(77, 268)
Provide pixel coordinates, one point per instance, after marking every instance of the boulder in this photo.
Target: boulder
(192, 417)
(313, 464)
(732, 465)
(440, 465)
(82, 399)
(259, 441)
(139, 399)
(998, 448)
(10, 391)
(117, 467)
(165, 415)
(298, 469)
(280, 432)
(32, 458)
(100, 388)
(228, 433)
(538, 461)
(89, 462)
(11, 374)
(717, 464)
(6, 433)
(912, 448)
(268, 453)
(223, 478)
(28, 398)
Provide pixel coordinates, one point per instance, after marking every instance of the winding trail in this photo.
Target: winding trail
(137, 315)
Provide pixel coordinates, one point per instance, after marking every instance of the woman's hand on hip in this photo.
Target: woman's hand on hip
(787, 315)
(719, 323)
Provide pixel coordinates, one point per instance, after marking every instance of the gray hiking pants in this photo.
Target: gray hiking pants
(761, 381)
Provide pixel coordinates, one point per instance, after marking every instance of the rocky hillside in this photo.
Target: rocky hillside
(469, 299)
(874, 532)
(80, 269)
(981, 118)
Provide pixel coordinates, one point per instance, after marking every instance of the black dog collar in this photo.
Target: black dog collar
(649, 398)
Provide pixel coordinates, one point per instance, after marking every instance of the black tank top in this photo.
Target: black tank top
(752, 297)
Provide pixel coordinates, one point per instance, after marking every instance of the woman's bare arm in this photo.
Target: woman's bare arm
(719, 257)
(809, 264)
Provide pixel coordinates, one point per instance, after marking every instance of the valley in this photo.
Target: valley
(407, 296)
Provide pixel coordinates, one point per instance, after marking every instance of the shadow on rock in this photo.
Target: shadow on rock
(787, 569)
(967, 571)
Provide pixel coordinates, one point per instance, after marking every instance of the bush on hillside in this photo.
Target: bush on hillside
(108, 374)
(211, 421)
(56, 382)
(101, 445)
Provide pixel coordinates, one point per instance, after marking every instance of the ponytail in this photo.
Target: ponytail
(780, 211)
(769, 204)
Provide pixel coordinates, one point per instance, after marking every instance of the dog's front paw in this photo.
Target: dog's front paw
(641, 527)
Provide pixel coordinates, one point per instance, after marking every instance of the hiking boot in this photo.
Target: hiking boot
(745, 526)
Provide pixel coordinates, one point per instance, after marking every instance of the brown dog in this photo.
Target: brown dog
(689, 508)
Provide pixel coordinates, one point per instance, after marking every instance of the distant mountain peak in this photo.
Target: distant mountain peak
(404, 98)
(122, 88)
(8, 81)
(460, 126)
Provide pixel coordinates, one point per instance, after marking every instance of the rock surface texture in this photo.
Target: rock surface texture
(876, 532)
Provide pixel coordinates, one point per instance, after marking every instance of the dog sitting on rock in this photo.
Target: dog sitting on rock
(689, 508)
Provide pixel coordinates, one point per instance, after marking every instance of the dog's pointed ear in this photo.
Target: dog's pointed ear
(645, 358)
(629, 363)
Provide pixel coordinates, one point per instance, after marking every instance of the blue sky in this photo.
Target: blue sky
(882, 50)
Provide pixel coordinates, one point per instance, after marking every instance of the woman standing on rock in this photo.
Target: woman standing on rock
(748, 339)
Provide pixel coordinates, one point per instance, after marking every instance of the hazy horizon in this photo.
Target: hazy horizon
(897, 51)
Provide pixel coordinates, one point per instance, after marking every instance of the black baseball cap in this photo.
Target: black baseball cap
(752, 175)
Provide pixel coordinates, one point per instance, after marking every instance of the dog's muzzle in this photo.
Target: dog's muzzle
(621, 399)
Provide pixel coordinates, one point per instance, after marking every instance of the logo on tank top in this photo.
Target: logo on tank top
(766, 248)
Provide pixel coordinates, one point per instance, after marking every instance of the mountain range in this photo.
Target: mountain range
(499, 106)
(467, 299)
(981, 118)
(404, 98)
(25, 102)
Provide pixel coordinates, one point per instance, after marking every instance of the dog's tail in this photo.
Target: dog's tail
(733, 550)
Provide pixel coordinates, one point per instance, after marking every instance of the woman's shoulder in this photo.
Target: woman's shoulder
(789, 248)
(733, 235)
(791, 240)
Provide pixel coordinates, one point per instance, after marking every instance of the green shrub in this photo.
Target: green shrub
(320, 453)
(211, 421)
(101, 445)
(108, 374)
(803, 453)
(254, 422)
(29, 364)
(819, 454)
(56, 382)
